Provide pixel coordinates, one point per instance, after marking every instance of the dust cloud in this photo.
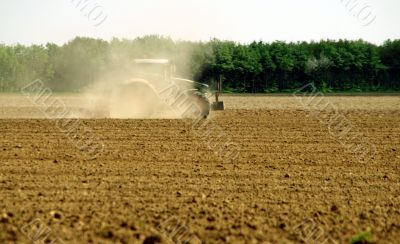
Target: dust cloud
(143, 87)
(131, 99)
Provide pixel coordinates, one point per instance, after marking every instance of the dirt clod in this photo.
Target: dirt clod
(334, 208)
(152, 240)
(55, 214)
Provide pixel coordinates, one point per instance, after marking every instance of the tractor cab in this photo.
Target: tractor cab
(158, 72)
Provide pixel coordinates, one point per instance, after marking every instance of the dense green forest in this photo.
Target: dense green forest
(257, 67)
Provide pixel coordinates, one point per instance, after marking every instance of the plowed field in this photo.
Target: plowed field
(267, 173)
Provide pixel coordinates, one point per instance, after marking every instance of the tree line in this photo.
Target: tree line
(257, 67)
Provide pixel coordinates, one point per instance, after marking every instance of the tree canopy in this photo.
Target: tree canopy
(256, 67)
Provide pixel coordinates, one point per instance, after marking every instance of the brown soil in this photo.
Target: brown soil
(291, 182)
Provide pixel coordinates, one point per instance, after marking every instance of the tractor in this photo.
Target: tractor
(155, 89)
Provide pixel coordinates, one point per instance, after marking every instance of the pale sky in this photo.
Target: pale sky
(42, 21)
